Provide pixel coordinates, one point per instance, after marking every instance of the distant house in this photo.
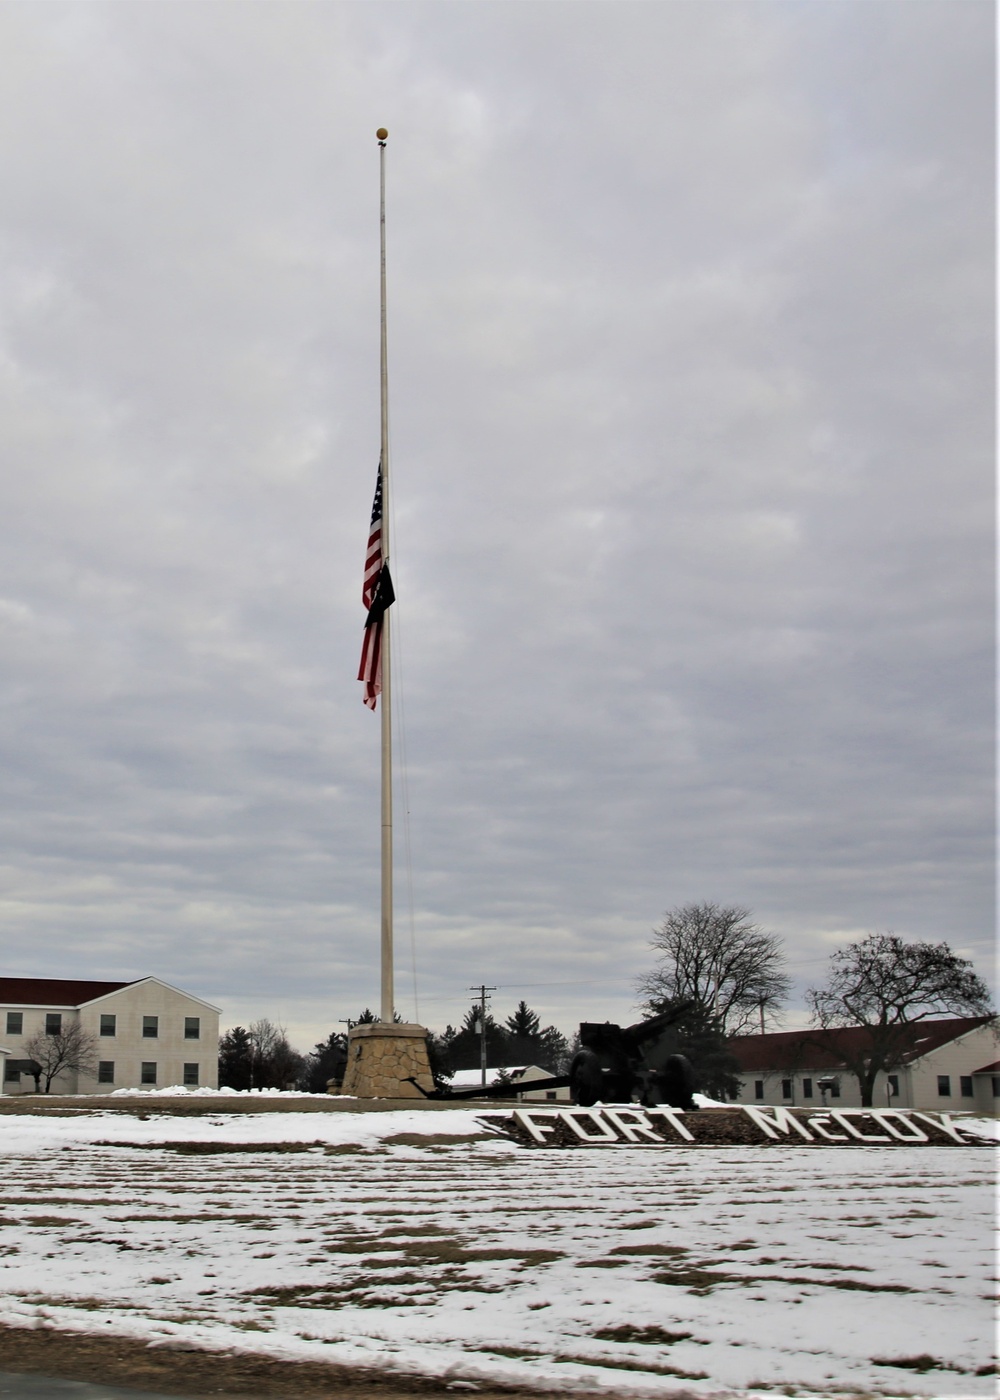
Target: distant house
(519, 1074)
(947, 1064)
(149, 1034)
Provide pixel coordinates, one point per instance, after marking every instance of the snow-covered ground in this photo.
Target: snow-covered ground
(406, 1240)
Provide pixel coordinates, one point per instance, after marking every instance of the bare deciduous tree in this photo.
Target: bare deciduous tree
(719, 959)
(885, 985)
(71, 1049)
(259, 1058)
(274, 1064)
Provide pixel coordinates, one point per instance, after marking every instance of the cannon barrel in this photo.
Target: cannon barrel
(498, 1091)
(654, 1026)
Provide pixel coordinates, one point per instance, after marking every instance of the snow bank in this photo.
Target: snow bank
(982, 1127)
(24, 1134)
(177, 1091)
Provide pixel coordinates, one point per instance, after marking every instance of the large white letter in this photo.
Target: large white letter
(541, 1132)
(633, 1124)
(672, 1116)
(839, 1115)
(576, 1119)
(943, 1121)
(893, 1121)
(820, 1123)
(778, 1117)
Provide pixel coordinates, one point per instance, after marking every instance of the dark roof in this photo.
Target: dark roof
(820, 1050)
(53, 991)
(994, 1068)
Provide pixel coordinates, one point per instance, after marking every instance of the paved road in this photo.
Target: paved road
(21, 1387)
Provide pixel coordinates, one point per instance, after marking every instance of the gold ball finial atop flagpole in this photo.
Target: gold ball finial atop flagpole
(382, 134)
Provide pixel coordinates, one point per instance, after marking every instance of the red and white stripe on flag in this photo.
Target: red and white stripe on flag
(370, 670)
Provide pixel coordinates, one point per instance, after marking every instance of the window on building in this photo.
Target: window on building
(148, 1075)
(996, 1085)
(150, 1027)
(105, 1071)
(53, 1023)
(550, 1093)
(10, 1074)
(15, 1022)
(835, 1089)
(192, 1027)
(807, 1088)
(894, 1086)
(965, 1086)
(758, 1088)
(109, 1025)
(786, 1088)
(191, 1075)
(944, 1086)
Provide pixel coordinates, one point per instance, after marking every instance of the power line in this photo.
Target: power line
(590, 982)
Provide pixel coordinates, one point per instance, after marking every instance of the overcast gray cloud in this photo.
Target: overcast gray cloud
(691, 340)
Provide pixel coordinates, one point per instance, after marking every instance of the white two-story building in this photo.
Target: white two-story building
(946, 1064)
(143, 1035)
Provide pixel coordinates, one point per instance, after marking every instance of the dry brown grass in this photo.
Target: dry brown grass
(210, 1149)
(921, 1363)
(645, 1336)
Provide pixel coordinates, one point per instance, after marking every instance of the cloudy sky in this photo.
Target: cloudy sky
(691, 355)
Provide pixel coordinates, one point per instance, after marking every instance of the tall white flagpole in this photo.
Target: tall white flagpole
(388, 1000)
(387, 1060)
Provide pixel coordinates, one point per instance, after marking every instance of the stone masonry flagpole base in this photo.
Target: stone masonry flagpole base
(382, 1058)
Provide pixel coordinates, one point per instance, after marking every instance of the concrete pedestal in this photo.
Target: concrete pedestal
(381, 1059)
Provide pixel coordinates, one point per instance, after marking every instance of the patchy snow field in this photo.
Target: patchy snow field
(407, 1241)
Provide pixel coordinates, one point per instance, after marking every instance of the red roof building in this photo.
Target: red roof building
(127, 1035)
(943, 1066)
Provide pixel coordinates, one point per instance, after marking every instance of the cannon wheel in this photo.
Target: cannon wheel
(672, 1085)
(585, 1078)
(590, 1081)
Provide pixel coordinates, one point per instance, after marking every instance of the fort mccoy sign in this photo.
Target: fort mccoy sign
(746, 1125)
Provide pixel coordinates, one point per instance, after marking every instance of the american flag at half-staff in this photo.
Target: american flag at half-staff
(376, 595)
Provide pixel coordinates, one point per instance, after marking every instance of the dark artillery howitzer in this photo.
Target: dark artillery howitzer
(614, 1065)
(617, 1064)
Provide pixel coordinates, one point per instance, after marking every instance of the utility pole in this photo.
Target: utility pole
(483, 999)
